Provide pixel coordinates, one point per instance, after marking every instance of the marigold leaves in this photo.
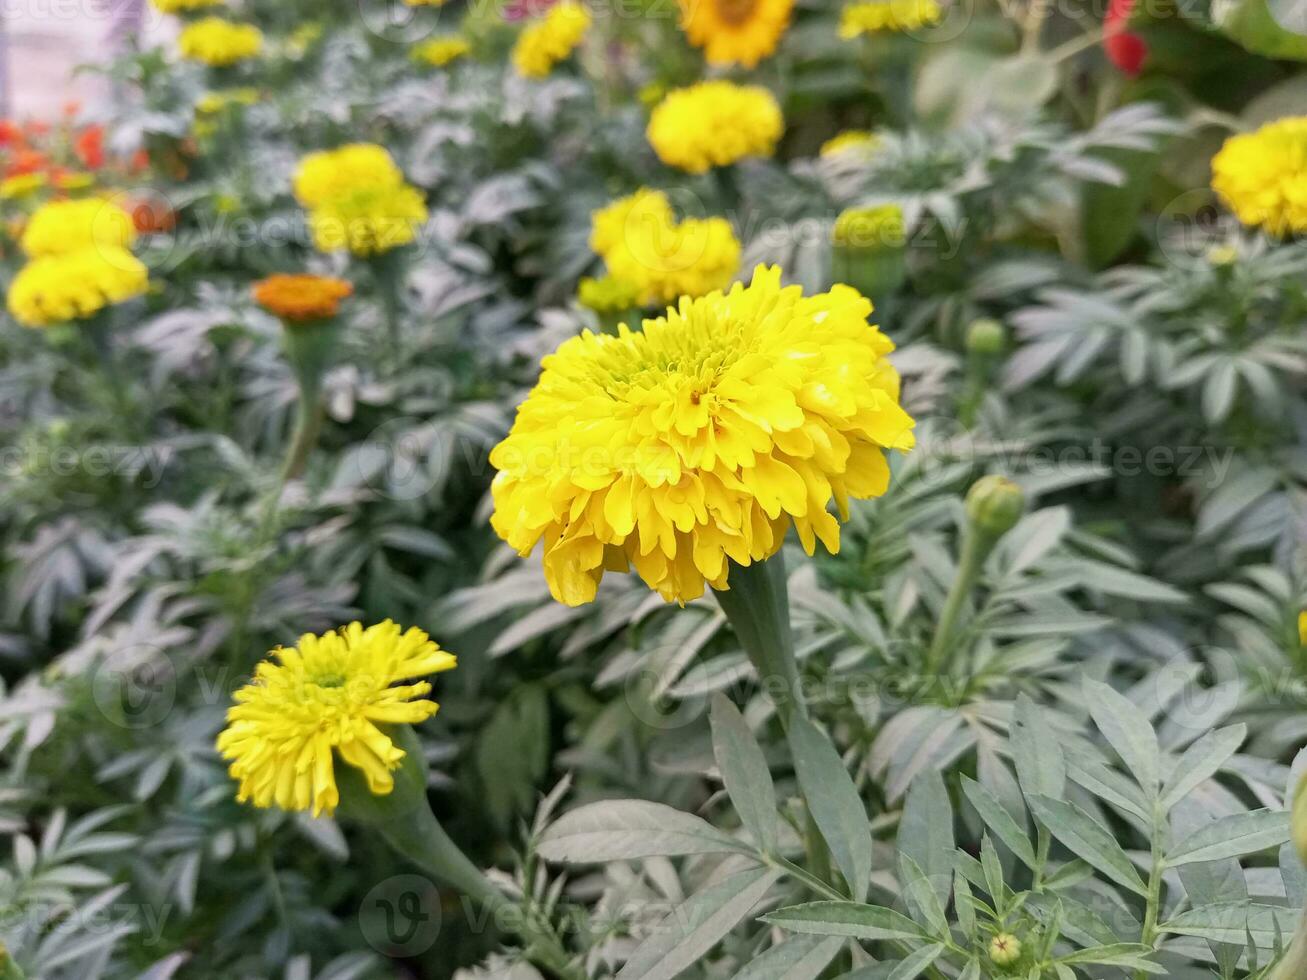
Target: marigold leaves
(850, 919)
(800, 957)
(1127, 731)
(1202, 760)
(1232, 836)
(1236, 923)
(997, 819)
(1087, 838)
(834, 803)
(744, 770)
(627, 830)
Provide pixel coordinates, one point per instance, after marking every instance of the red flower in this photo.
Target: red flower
(89, 147)
(1124, 48)
(26, 162)
(10, 133)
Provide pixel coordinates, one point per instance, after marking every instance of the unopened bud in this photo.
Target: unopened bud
(1004, 949)
(995, 504)
(986, 336)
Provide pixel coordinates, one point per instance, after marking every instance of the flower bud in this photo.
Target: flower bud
(870, 249)
(1004, 949)
(995, 504)
(986, 336)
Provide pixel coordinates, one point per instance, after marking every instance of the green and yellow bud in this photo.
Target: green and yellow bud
(986, 336)
(869, 249)
(994, 505)
(1004, 949)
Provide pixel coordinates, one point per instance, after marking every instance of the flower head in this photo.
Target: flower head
(869, 228)
(75, 285)
(22, 185)
(334, 692)
(713, 124)
(550, 39)
(211, 103)
(301, 298)
(1004, 949)
(699, 440)
(1262, 176)
(69, 226)
(860, 141)
(736, 31)
(441, 51)
(327, 174)
(368, 221)
(219, 43)
(1125, 48)
(877, 16)
(607, 295)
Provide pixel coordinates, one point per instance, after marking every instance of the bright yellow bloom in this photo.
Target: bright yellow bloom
(335, 691)
(440, 51)
(713, 124)
(735, 31)
(22, 185)
(183, 6)
(75, 285)
(700, 439)
(859, 141)
(607, 295)
(868, 228)
(888, 15)
(331, 173)
(211, 103)
(368, 221)
(550, 39)
(1302, 628)
(426, 3)
(73, 225)
(219, 43)
(1262, 176)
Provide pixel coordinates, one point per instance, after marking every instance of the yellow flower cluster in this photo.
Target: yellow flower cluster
(736, 31)
(699, 439)
(184, 6)
(219, 43)
(1262, 176)
(330, 693)
(869, 228)
(888, 16)
(550, 39)
(441, 51)
(358, 200)
(22, 185)
(860, 141)
(644, 245)
(211, 103)
(79, 263)
(713, 124)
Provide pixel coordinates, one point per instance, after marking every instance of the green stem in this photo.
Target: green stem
(1294, 964)
(976, 547)
(757, 605)
(309, 412)
(387, 272)
(9, 970)
(1154, 900)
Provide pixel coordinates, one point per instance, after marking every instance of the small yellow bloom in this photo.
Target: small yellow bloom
(713, 124)
(879, 16)
(335, 692)
(219, 43)
(860, 141)
(607, 295)
(368, 221)
(211, 103)
(22, 185)
(73, 181)
(331, 173)
(1262, 176)
(699, 440)
(184, 6)
(1302, 628)
(441, 51)
(869, 228)
(75, 285)
(550, 39)
(736, 31)
(301, 298)
(73, 225)
(426, 3)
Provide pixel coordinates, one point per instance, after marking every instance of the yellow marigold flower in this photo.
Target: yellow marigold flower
(184, 6)
(699, 439)
(331, 692)
(73, 181)
(613, 224)
(735, 31)
(219, 43)
(440, 51)
(301, 298)
(713, 124)
(22, 185)
(607, 295)
(211, 103)
(888, 15)
(1262, 176)
(368, 221)
(69, 226)
(75, 285)
(330, 173)
(1302, 627)
(868, 228)
(550, 39)
(860, 141)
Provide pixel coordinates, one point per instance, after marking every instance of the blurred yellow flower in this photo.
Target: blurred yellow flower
(550, 39)
(859, 141)
(72, 225)
(330, 693)
(219, 43)
(184, 6)
(368, 221)
(736, 31)
(1302, 628)
(214, 102)
(74, 285)
(877, 16)
(868, 228)
(607, 295)
(699, 439)
(71, 180)
(329, 173)
(22, 185)
(440, 51)
(1262, 176)
(713, 124)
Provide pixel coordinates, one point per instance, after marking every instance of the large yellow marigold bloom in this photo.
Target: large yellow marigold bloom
(66, 226)
(713, 124)
(735, 31)
(700, 439)
(888, 15)
(219, 43)
(335, 692)
(368, 221)
(75, 285)
(550, 39)
(330, 173)
(1262, 176)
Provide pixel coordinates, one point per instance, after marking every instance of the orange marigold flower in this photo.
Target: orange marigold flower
(301, 298)
(151, 213)
(89, 147)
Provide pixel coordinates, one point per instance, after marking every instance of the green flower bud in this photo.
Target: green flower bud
(1004, 949)
(986, 336)
(869, 250)
(995, 504)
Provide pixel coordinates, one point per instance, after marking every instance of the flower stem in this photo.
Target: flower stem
(309, 413)
(975, 549)
(757, 605)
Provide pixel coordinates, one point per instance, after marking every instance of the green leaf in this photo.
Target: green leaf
(1250, 23)
(1041, 766)
(834, 803)
(1235, 922)
(913, 966)
(926, 831)
(798, 958)
(744, 770)
(1132, 956)
(999, 821)
(1201, 761)
(624, 830)
(1127, 731)
(1087, 838)
(1109, 216)
(1233, 836)
(850, 919)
